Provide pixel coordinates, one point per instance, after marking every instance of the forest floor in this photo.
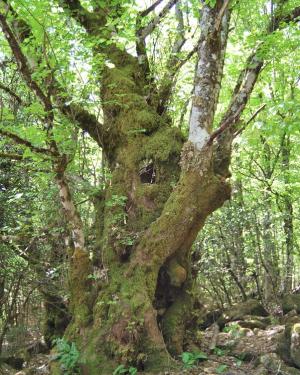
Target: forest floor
(249, 345)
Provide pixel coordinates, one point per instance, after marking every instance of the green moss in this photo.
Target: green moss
(164, 143)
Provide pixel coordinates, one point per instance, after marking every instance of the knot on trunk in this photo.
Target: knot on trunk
(177, 273)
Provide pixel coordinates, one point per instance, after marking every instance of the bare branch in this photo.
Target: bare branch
(231, 120)
(221, 14)
(211, 52)
(238, 132)
(247, 80)
(169, 79)
(143, 32)
(75, 113)
(145, 12)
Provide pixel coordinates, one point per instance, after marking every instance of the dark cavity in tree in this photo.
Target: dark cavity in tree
(148, 173)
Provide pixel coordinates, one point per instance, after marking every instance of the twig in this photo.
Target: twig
(238, 132)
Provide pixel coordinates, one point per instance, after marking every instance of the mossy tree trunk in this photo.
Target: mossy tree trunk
(160, 193)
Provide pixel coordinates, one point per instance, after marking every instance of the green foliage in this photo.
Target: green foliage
(233, 329)
(219, 352)
(221, 368)
(121, 369)
(116, 200)
(190, 359)
(67, 355)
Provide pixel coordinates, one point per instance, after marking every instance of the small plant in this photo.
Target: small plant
(233, 329)
(219, 352)
(222, 368)
(67, 355)
(238, 362)
(190, 359)
(116, 200)
(125, 370)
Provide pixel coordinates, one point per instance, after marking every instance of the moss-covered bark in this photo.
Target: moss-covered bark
(149, 219)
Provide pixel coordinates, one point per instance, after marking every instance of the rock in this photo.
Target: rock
(284, 343)
(290, 316)
(275, 365)
(246, 332)
(263, 319)
(291, 302)
(252, 323)
(239, 311)
(251, 347)
(295, 344)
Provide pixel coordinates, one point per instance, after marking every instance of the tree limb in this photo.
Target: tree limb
(281, 18)
(85, 120)
(169, 79)
(24, 142)
(238, 132)
(247, 80)
(80, 115)
(147, 30)
(11, 93)
(145, 12)
(79, 13)
(23, 63)
(11, 156)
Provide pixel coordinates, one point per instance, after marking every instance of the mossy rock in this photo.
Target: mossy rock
(291, 302)
(284, 344)
(275, 365)
(290, 317)
(252, 323)
(239, 311)
(295, 344)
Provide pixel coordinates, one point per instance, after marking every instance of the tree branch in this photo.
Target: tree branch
(169, 79)
(147, 30)
(247, 80)
(23, 63)
(85, 120)
(79, 13)
(145, 12)
(81, 116)
(281, 18)
(11, 156)
(238, 132)
(24, 142)
(211, 52)
(11, 93)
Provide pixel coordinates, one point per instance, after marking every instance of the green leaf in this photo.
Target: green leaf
(222, 368)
